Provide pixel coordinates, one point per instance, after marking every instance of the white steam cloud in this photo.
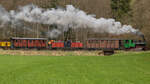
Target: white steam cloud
(70, 17)
(54, 33)
(4, 16)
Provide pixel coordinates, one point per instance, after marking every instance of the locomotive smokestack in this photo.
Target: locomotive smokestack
(143, 38)
(141, 35)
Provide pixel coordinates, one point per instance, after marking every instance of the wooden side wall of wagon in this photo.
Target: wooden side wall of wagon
(103, 44)
(29, 43)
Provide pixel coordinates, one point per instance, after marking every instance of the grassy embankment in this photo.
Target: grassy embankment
(121, 68)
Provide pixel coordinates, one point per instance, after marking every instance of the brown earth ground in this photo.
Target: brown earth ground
(58, 52)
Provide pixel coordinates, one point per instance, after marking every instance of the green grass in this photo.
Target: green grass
(125, 68)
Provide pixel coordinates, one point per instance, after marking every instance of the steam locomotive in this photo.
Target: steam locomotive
(89, 44)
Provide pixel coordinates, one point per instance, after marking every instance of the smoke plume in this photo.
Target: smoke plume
(70, 17)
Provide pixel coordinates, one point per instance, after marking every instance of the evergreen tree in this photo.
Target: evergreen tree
(120, 8)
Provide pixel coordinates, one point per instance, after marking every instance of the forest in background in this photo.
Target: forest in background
(131, 12)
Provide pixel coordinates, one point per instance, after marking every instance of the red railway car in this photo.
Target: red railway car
(66, 44)
(76, 45)
(38, 43)
(58, 44)
(103, 44)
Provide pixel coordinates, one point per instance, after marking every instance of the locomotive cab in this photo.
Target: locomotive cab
(129, 44)
(134, 45)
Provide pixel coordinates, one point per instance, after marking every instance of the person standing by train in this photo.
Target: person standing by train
(50, 43)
